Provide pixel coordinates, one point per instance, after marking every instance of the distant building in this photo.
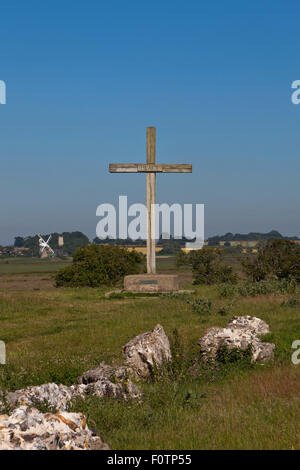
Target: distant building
(141, 249)
(243, 243)
(19, 250)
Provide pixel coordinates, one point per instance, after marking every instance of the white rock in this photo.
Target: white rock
(240, 332)
(28, 429)
(142, 351)
(258, 326)
(60, 396)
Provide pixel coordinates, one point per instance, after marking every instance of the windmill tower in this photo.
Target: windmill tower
(45, 248)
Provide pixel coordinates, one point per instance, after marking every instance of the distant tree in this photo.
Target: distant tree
(119, 241)
(33, 244)
(72, 241)
(19, 242)
(208, 266)
(276, 257)
(215, 240)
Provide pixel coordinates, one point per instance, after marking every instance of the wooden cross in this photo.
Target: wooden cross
(150, 168)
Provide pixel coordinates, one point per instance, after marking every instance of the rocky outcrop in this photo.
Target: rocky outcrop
(54, 396)
(240, 332)
(253, 324)
(28, 429)
(104, 371)
(59, 397)
(140, 355)
(145, 350)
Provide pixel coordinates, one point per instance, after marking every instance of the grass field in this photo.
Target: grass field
(56, 334)
(31, 265)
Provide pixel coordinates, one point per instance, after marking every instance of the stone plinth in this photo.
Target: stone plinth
(151, 283)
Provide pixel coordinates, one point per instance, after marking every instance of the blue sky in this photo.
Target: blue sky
(84, 79)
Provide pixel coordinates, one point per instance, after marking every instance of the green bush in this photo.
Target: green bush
(201, 306)
(264, 287)
(228, 356)
(276, 257)
(208, 266)
(99, 265)
(227, 290)
(292, 303)
(227, 309)
(182, 259)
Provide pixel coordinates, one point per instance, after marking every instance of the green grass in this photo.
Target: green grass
(20, 265)
(31, 265)
(57, 334)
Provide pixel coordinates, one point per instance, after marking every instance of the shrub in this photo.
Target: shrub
(208, 371)
(277, 257)
(226, 355)
(227, 309)
(208, 267)
(264, 287)
(182, 259)
(177, 365)
(293, 303)
(201, 306)
(99, 265)
(174, 370)
(227, 290)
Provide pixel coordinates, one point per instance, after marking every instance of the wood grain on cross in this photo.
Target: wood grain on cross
(150, 168)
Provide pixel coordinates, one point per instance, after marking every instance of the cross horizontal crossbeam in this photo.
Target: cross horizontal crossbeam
(149, 168)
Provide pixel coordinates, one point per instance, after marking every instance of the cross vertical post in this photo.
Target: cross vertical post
(150, 196)
(150, 282)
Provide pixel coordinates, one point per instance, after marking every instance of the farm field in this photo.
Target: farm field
(31, 265)
(56, 334)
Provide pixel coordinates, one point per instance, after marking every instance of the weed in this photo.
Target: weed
(293, 303)
(201, 306)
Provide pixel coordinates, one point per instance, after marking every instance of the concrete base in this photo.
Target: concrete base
(151, 283)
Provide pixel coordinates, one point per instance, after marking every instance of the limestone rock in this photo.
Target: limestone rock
(28, 429)
(254, 324)
(55, 396)
(103, 371)
(124, 389)
(240, 332)
(60, 396)
(104, 380)
(142, 351)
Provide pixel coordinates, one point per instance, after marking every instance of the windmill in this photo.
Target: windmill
(45, 248)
